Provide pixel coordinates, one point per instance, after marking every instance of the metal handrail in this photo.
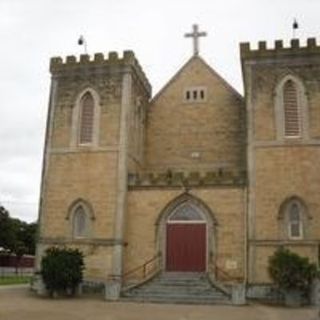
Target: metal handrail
(143, 268)
(225, 275)
(222, 275)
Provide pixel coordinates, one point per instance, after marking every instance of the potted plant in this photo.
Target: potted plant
(293, 275)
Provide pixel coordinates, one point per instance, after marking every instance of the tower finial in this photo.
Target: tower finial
(295, 26)
(195, 34)
(82, 41)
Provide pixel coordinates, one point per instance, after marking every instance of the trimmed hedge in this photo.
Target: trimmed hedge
(291, 271)
(62, 270)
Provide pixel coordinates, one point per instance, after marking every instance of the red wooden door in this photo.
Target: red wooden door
(186, 247)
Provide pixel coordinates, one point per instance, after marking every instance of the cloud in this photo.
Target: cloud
(32, 31)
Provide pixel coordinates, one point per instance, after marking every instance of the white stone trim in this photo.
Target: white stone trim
(75, 129)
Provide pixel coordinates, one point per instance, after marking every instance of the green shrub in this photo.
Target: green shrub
(62, 270)
(291, 271)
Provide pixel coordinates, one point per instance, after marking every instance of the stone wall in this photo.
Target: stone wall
(67, 181)
(280, 168)
(190, 135)
(145, 229)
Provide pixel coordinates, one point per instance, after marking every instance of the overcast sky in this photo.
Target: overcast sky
(31, 31)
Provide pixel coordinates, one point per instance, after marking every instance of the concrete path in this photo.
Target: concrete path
(18, 303)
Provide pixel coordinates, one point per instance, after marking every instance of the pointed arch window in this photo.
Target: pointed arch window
(294, 217)
(292, 121)
(86, 119)
(80, 216)
(291, 109)
(186, 212)
(86, 122)
(80, 223)
(295, 225)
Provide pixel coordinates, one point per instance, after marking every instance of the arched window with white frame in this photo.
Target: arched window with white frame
(294, 218)
(80, 223)
(295, 221)
(291, 109)
(292, 117)
(81, 216)
(85, 119)
(186, 212)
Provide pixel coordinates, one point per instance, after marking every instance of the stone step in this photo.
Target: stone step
(183, 276)
(169, 283)
(180, 289)
(181, 292)
(177, 297)
(178, 300)
(177, 288)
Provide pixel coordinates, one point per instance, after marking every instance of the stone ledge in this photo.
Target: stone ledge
(87, 241)
(277, 243)
(188, 179)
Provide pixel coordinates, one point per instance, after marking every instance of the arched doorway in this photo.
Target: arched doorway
(186, 239)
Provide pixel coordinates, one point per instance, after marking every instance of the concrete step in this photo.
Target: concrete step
(184, 283)
(182, 276)
(178, 288)
(178, 300)
(178, 297)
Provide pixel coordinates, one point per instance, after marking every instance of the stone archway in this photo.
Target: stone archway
(186, 235)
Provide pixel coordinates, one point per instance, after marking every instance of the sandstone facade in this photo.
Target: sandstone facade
(197, 144)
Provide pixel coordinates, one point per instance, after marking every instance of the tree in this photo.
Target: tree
(7, 233)
(16, 236)
(29, 237)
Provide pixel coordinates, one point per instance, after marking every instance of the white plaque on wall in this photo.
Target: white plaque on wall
(231, 264)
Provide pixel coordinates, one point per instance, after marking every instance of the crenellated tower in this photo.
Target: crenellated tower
(95, 134)
(282, 90)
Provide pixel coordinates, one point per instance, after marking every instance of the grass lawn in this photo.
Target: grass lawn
(6, 280)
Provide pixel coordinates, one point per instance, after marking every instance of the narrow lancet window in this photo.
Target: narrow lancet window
(79, 223)
(86, 119)
(292, 126)
(295, 225)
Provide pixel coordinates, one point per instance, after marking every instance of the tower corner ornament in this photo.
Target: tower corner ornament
(195, 34)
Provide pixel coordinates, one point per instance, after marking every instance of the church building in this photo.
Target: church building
(197, 179)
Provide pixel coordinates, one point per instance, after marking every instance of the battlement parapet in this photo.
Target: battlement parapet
(279, 50)
(187, 179)
(99, 62)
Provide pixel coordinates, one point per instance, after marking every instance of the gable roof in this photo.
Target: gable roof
(207, 66)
